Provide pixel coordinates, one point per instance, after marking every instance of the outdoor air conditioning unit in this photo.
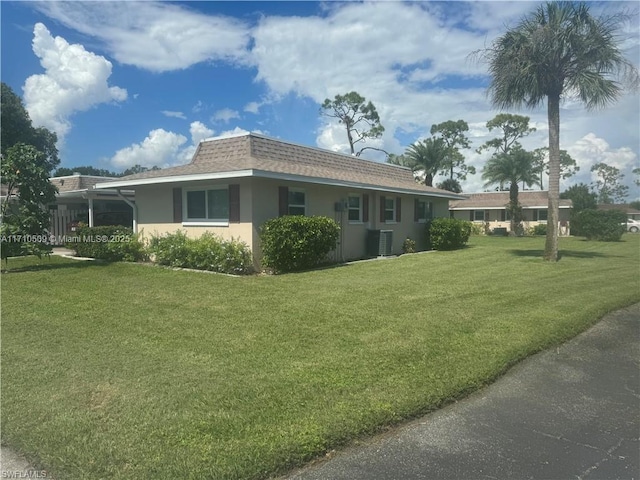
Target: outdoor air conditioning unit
(379, 243)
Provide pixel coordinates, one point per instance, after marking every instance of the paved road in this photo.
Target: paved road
(568, 413)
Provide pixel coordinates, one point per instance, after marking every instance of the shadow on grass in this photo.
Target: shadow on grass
(561, 254)
(47, 264)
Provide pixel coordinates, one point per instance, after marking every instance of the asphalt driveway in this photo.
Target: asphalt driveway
(567, 413)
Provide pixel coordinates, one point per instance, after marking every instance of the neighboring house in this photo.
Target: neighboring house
(490, 208)
(77, 200)
(632, 213)
(234, 184)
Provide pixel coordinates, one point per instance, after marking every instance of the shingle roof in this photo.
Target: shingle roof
(260, 154)
(72, 183)
(528, 199)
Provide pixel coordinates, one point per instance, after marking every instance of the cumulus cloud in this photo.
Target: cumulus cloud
(225, 115)
(160, 148)
(169, 113)
(156, 36)
(199, 131)
(74, 80)
(591, 149)
(252, 107)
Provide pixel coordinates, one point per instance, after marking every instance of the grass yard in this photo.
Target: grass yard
(126, 371)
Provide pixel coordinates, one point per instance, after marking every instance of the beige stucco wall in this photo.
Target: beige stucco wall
(259, 203)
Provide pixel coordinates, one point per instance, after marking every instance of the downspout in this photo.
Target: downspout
(90, 198)
(133, 207)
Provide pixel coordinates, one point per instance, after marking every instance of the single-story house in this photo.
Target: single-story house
(490, 208)
(234, 184)
(632, 213)
(77, 200)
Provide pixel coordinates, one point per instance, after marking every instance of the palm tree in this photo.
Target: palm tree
(428, 157)
(513, 167)
(558, 51)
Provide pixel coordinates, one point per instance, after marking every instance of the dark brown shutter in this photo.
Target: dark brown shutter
(398, 209)
(416, 206)
(503, 215)
(283, 201)
(234, 203)
(471, 215)
(382, 209)
(365, 208)
(177, 205)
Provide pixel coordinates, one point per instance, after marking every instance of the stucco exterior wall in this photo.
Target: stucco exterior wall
(259, 202)
(493, 219)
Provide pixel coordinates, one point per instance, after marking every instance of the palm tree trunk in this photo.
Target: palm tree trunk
(553, 113)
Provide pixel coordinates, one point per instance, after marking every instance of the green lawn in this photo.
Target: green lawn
(126, 371)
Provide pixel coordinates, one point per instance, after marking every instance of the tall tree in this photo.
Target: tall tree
(511, 129)
(450, 184)
(558, 50)
(568, 165)
(16, 127)
(360, 118)
(608, 184)
(427, 158)
(455, 138)
(512, 167)
(25, 218)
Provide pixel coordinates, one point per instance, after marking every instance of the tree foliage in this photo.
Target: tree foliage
(454, 135)
(427, 158)
(25, 218)
(608, 185)
(512, 167)
(559, 50)
(16, 128)
(85, 170)
(581, 196)
(511, 129)
(568, 165)
(360, 118)
(450, 184)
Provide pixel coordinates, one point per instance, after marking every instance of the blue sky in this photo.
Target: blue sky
(143, 82)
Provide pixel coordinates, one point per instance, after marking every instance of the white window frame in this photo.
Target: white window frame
(208, 222)
(295, 205)
(393, 203)
(359, 209)
(428, 209)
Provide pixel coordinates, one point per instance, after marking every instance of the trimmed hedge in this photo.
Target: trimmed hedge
(208, 252)
(602, 225)
(295, 242)
(448, 233)
(112, 242)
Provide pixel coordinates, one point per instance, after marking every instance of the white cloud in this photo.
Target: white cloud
(225, 115)
(169, 113)
(199, 131)
(156, 36)
(252, 107)
(74, 80)
(160, 148)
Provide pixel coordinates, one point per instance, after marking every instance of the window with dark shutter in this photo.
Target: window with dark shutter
(177, 205)
(416, 210)
(382, 206)
(365, 207)
(283, 201)
(398, 209)
(234, 203)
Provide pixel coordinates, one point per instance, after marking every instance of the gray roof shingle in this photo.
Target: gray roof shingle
(528, 199)
(263, 154)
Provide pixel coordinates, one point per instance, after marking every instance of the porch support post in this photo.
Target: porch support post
(133, 207)
(90, 211)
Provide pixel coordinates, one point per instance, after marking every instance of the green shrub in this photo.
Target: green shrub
(540, 229)
(449, 233)
(478, 229)
(409, 246)
(112, 242)
(294, 242)
(208, 252)
(602, 225)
